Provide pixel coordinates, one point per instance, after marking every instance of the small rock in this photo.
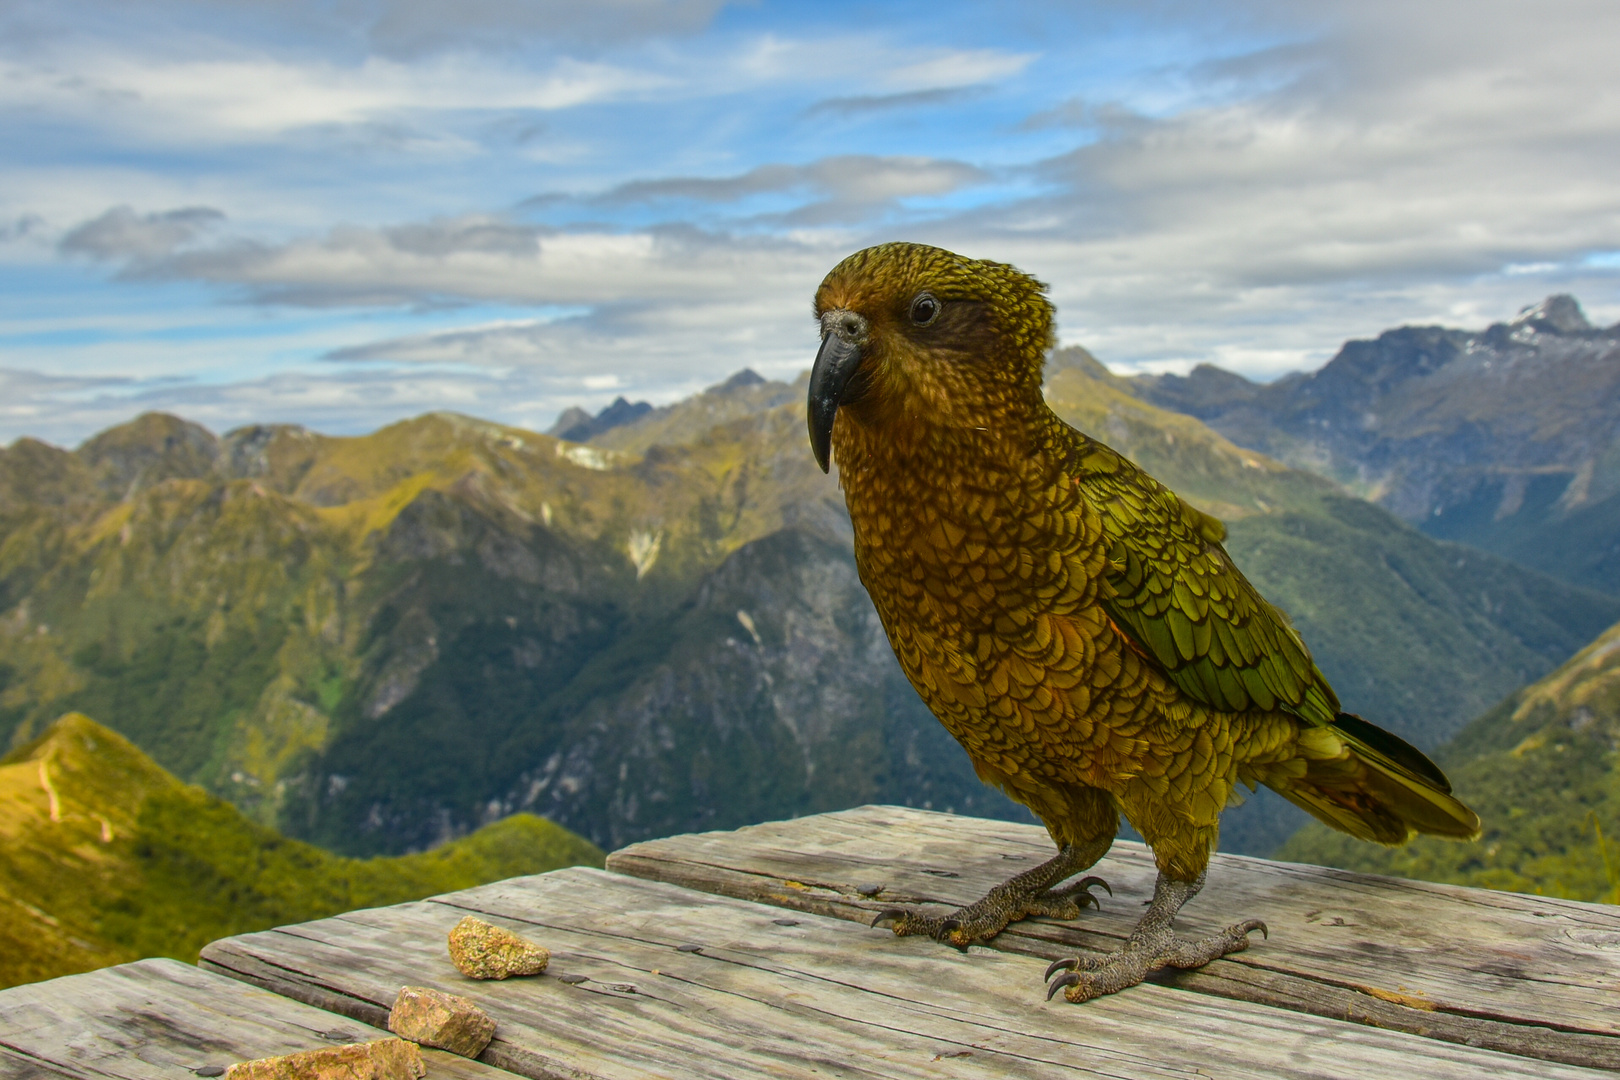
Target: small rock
(869, 890)
(384, 1059)
(211, 1070)
(573, 980)
(786, 922)
(483, 951)
(447, 1021)
(688, 948)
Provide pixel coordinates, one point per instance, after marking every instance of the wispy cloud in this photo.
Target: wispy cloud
(846, 189)
(402, 29)
(258, 98)
(1248, 183)
(862, 104)
(123, 235)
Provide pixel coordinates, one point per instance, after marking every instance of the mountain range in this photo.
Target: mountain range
(380, 643)
(1507, 439)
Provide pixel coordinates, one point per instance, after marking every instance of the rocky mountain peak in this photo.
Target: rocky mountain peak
(577, 425)
(149, 449)
(741, 380)
(569, 419)
(1560, 314)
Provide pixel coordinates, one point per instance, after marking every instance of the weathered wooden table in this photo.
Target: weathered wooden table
(745, 954)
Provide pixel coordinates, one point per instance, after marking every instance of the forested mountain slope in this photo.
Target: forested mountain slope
(379, 643)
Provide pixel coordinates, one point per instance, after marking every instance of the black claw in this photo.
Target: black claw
(947, 925)
(1068, 979)
(1059, 965)
(1088, 882)
(1260, 926)
(895, 914)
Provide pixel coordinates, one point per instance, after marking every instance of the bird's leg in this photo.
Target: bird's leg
(1020, 896)
(1151, 945)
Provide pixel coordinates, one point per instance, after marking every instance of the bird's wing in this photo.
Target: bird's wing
(1174, 591)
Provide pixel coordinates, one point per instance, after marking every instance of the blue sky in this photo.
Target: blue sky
(345, 212)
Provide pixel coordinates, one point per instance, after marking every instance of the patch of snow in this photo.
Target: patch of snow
(588, 457)
(643, 548)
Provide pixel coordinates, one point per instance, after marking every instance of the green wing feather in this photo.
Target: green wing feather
(1173, 588)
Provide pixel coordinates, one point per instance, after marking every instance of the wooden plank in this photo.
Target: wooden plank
(17, 1067)
(163, 1020)
(1532, 976)
(817, 997)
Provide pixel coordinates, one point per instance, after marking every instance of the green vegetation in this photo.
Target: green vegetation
(1541, 770)
(109, 858)
(368, 642)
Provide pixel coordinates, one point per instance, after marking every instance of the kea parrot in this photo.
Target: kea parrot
(1075, 625)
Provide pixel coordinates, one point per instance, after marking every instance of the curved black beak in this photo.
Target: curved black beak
(836, 362)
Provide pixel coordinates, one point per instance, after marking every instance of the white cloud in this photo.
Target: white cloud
(1321, 172)
(407, 29)
(121, 234)
(878, 63)
(955, 67)
(258, 98)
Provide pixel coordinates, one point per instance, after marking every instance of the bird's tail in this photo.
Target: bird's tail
(1362, 780)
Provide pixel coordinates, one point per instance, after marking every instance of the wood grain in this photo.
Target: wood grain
(819, 997)
(162, 1020)
(1531, 976)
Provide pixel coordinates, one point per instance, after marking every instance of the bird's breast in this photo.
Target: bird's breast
(962, 551)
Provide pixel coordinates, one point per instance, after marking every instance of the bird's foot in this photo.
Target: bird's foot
(1085, 977)
(985, 918)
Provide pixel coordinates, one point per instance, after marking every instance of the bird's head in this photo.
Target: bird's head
(916, 334)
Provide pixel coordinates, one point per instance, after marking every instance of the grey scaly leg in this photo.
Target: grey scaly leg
(1020, 896)
(1153, 944)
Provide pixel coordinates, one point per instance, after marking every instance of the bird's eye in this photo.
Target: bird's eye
(925, 309)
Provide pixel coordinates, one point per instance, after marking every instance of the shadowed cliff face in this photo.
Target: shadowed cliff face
(379, 643)
(772, 693)
(1508, 439)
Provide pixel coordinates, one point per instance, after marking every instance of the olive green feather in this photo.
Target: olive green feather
(1166, 568)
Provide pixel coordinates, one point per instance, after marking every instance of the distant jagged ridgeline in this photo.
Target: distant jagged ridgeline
(380, 643)
(109, 858)
(1505, 439)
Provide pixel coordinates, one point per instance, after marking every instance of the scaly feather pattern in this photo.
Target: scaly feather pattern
(1176, 591)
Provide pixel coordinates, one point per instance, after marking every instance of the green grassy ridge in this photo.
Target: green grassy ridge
(1541, 771)
(139, 864)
